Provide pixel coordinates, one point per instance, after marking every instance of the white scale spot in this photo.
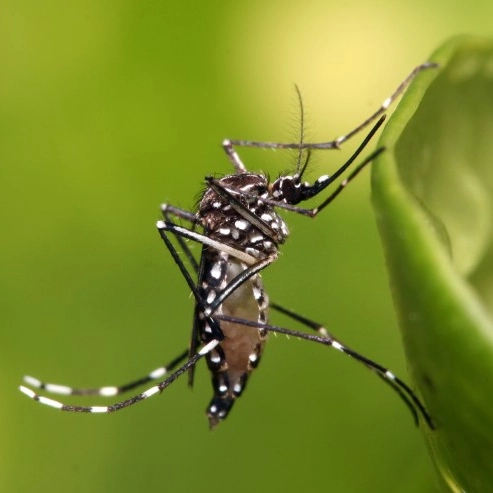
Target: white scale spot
(257, 292)
(253, 252)
(256, 239)
(27, 392)
(150, 392)
(209, 347)
(215, 358)
(386, 103)
(224, 231)
(235, 234)
(216, 270)
(158, 372)
(160, 225)
(99, 409)
(58, 389)
(207, 328)
(241, 224)
(253, 357)
(266, 217)
(237, 388)
(338, 346)
(217, 205)
(323, 178)
(108, 391)
(211, 296)
(213, 409)
(223, 388)
(50, 402)
(390, 375)
(33, 381)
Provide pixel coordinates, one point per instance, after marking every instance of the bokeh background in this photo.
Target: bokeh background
(108, 109)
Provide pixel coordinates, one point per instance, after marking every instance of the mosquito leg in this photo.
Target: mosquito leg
(395, 382)
(181, 233)
(346, 181)
(167, 211)
(207, 348)
(324, 333)
(106, 391)
(333, 144)
(228, 146)
(386, 104)
(170, 210)
(299, 318)
(236, 282)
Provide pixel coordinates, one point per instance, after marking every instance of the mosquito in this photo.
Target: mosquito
(240, 232)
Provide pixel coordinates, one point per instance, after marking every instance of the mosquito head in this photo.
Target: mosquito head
(291, 190)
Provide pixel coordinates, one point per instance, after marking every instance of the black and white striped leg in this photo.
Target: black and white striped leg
(385, 377)
(159, 372)
(405, 392)
(207, 348)
(106, 391)
(229, 144)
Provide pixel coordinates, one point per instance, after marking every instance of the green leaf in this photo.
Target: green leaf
(433, 198)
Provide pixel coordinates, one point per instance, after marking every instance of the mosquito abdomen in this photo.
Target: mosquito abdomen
(239, 352)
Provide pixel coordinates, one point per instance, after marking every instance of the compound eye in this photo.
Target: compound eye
(287, 189)
(290, 190)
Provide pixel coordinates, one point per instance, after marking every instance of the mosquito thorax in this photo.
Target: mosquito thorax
(225, 223)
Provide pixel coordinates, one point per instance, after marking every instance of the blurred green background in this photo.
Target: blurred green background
(108, 109)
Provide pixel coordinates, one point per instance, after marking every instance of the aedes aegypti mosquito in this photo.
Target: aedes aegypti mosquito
(241, 235)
